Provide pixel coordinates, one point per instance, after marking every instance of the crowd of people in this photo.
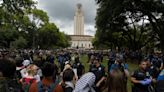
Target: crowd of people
(63, 71)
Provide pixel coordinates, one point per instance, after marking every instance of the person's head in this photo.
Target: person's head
(67, 66)
(158, 53)
(26, 63)
(96, 61)
(77, 59)
(148, 63)
(143, 64)
(76, 53)
(49, 53)
(19, 61)
(119, 58)
(48, 69)
(68, 75)
(7, 68)
(32, 69)
(26, 56)
(115, 82)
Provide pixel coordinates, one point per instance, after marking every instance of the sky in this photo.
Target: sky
(61, 12)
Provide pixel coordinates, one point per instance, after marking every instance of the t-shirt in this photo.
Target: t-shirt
(112, 56)
(161, 76)
(117, 66)
(98, 71)
(28, 80)
(24, 72)
(140, 75)
(79, 68)
(156, 62)
(153, 72)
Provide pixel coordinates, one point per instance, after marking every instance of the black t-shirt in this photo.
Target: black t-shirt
(140, 75)
(79, 67)
(156, 62)
(98, 71)
(153, 72)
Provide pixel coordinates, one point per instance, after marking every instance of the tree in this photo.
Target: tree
(38, 19)
(64, 40)
(7, 35)
(134, 22)
(22, 25)
(14, 19)
(14, 11)
(48, 36)
(19, 43)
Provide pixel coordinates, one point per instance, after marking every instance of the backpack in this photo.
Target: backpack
(10, 85)
(44, 88)
(26, 86)
(66, 88)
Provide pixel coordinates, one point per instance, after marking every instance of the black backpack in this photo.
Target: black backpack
(66, 88)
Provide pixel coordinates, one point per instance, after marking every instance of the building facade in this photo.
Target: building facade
(81, 41)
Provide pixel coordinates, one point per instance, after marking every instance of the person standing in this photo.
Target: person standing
(120, 65)
(68, 80)
(141, 78)
(99, 70)
(115, 82)
(111, 59)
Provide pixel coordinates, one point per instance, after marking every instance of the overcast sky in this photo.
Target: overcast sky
(61, 12)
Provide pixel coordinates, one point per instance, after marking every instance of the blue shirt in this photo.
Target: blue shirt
(161, 76)
(116, 66)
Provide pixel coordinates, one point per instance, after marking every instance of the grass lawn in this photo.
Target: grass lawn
(132, 67)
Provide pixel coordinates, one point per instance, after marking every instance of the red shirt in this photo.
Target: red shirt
(28, 80)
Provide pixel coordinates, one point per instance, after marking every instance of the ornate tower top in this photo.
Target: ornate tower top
(79, 6)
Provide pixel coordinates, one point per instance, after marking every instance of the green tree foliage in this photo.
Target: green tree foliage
(131, 23)
(7, 36)
(64, 40)
(22, 25)
(48, 36)
(19, 43)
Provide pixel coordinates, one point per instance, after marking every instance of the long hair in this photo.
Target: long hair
(115, 82)
(32, 69)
